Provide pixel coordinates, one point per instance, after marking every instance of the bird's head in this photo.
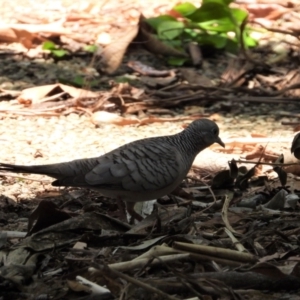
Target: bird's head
(204, 133)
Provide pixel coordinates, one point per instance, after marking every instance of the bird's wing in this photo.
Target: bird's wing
(136, 167)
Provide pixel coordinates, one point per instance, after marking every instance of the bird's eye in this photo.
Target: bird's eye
(215, 131)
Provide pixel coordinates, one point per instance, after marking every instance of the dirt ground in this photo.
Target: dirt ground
(75, 244)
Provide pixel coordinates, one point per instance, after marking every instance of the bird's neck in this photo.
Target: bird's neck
(189, 143)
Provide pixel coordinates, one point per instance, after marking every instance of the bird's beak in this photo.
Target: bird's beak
(219, 141)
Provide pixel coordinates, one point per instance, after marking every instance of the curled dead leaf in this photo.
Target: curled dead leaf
(158, 81)
(153, 44)
(146, 70)
(112, 55)
(278, 201)
(38, 94)
(12, 35)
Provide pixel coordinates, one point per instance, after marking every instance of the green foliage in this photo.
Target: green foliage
(213, 24)
(60, 53)
(156, 22)
(54, 49)
(79, 81)
(126, 79)
(185, 9)
(176, 61)
(170, 30)
(90, 48)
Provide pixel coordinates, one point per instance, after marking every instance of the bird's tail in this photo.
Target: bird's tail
(49, 170)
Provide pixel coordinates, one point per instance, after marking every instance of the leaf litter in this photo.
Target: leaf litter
(234, 234)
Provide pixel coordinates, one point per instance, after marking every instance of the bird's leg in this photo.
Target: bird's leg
(122, 210)
(132, 212)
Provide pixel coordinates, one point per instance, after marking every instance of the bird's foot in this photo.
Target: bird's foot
(134, 215)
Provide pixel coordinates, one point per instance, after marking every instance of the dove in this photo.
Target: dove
(142, 170)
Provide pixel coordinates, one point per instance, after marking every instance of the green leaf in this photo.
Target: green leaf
(248, 40)
(156, 22)
(126, 79)
(223, 25)
(78, 81)
(170, 29)
(90, 48)
(238, 14)
(48, 45)
(215, 40)
(59, 52)
(177, 61)
(209, 12)
(185, 8)
(208, 25)
(190, 34)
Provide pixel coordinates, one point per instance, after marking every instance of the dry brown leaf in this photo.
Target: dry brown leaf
(112, 55)
(146, 70)
(9, 93)
(134, 107)
(24, 33)
(155, 46)
(75, 92)
(11, 35)
(158, 81)
(292, 78)
(234, 75)
(37, 94)
(295, 169)
(52, 28)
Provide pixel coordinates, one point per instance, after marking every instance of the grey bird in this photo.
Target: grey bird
(142, 170)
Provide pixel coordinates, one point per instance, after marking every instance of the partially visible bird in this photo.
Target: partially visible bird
(142, 170)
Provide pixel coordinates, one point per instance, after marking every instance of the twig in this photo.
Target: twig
(225, 214)
(208, 207)
(143, 285)
(267, 163)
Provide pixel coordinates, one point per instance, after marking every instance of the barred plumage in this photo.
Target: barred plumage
(139, 171)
